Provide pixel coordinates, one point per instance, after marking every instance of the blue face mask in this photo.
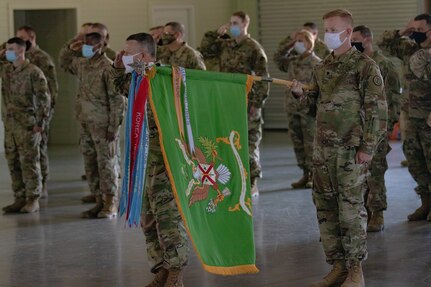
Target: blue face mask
(10, 56)
(235, 31)
(87, 51)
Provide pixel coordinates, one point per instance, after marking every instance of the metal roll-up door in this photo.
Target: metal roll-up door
(279, 18)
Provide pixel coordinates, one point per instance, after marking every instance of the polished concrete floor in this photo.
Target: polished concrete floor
(57, 248)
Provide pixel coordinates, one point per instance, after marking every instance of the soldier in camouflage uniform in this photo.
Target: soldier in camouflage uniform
(164, 231)
(301, 119)
(320, 48)
(44, 62)
(102, 30)
(350, 120)
(25, 110)
(100, 117)
(243, 54)
(403, 44)
(419, 125)
(175, 52)
(375, 197)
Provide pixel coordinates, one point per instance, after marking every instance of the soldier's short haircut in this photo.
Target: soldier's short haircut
(99, 26)
(156, 28)
(20, 42)
(342, 13)
(425, 16)
(147, 42)
(94, 37)
(86, 24)
(364, 31)
(241, 14)
(28, 29)
(310, 25)
(176, 27)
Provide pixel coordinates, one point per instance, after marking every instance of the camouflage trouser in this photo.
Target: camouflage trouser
(164, 231)
(339, 199)
(254, 138)
(44, 160)
(23, 158)
(375, 196)
(301, 130)
(417, 149)
(100, 159)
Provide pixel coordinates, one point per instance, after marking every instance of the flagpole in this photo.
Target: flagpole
(279, 82)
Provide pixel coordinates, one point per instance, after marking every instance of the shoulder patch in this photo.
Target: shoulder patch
(377, 80)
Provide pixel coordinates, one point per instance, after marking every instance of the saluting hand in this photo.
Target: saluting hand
(118, 62)
(223, 29)
(76, 45)
(408, 29)
(2, 53)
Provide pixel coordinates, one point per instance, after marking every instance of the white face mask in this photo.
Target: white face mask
(332, 40)
(299, 47)
(127, 61)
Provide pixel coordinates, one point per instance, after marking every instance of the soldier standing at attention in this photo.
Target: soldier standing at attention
(375, 198)
(43, 61)
(419, 128)
(165, 234)
(403, 44)
(350, 121)
(243, 54)
(25, 110)
(299, 63)
(175, 52)
(100, 118)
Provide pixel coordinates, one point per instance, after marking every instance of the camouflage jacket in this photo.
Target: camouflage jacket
(301, 69)
(420, 92)
(351, 103)
(283, 54)
(392, 87)
(246, 57)
(111, 54)
(185, 57)
(26, 101)
(44, 62)
(99, 102)
(402, 47)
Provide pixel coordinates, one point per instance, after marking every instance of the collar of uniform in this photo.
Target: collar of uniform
(342, 57)
(22, 66)
(234, 43)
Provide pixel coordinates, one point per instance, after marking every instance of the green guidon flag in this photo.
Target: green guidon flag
(202, 122)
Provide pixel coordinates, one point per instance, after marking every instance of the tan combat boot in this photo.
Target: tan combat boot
(92, 213)
(31, 206)
(355, 278)
(91, 198)
(376, 223)
(110, 208)
(16, 206)
(175, 278)
(160, 279)
(254, 189)
(302, 182)
(422, 212)
(334, 278)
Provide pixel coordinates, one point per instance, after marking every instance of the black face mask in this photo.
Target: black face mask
(358, 46)
(419, 37)
(160, 42)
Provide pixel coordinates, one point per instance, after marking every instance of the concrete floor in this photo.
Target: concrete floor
(57, 248)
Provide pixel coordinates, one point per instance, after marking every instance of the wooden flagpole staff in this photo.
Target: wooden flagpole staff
(280, 82)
